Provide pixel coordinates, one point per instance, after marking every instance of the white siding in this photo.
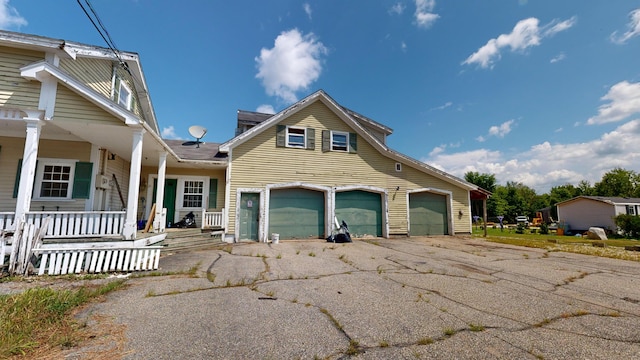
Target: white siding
(581, 214)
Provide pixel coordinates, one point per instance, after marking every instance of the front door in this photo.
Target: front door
(249, 216)
(169, 201)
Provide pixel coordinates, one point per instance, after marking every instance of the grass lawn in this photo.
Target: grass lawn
(613, 248)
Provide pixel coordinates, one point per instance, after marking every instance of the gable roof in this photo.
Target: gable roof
(611, 200)
(73, 50)
(349, 118)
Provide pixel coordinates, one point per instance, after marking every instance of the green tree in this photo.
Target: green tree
(485, 181)
(617, 182)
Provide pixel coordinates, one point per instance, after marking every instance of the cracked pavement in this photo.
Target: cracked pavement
(411, 298)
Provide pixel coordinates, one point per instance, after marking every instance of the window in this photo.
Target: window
(631, 210)
(193, 194)
(339, 141)
(398, 167)
(54, 179)
(296, 137)
(124, 95)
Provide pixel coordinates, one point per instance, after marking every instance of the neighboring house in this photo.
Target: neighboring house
(583, 212)
(78, 130)
(80, 139)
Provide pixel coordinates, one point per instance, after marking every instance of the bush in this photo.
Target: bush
(629, 225)
(544, 228)
(520, 228)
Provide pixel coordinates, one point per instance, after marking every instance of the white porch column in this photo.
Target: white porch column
(28, 171)
(159, 219)
(130, 224)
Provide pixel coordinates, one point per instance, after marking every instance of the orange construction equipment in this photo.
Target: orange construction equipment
(538, 220)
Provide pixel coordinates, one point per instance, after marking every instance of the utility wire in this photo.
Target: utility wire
(102, 30)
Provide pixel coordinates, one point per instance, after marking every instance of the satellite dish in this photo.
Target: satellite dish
(197, 132)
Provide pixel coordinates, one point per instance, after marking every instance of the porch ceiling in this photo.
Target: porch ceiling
(117, 139)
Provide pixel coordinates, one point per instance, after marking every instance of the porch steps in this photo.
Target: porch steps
(189, 239)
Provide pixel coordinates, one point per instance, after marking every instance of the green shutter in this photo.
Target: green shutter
(213, 193)
(281, 132)
(326, 140)
(353, 142)
(82, 180)
(16, 185)
(311, 139)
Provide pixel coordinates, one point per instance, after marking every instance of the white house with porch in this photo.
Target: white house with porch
(77, 130)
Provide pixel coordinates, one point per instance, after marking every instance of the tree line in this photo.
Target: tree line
(515, 198)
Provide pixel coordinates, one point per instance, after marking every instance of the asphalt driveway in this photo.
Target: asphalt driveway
(417, 298)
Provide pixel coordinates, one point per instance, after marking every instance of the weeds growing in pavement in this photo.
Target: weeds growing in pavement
(40, 317)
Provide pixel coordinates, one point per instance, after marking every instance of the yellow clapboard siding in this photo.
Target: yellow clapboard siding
(95, 73)
(12, 150)
(258, 162)
(71, 106)
(16, 91)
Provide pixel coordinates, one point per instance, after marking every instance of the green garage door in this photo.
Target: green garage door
(296, 213)
(361, 210)
(428, 214)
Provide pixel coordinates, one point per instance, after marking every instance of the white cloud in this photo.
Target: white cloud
(397, 8)
(170, 133)
(546, 165)
(497, 130)
(266, 109)
(502, 130)
(9, 16)
(291, 65)
(634, 28)
(556, 26)
(527, 33)
(557, 58)
(442, 107)
(307, 9)
(424, 13)
(624, 100)
(403, 46)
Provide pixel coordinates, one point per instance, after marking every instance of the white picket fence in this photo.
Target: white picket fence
(212, 219)
(26, 252)
(60, 261)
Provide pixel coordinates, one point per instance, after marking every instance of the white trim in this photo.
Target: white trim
(39, 173)
(127, 102)
(347, 140)
(180, 192)
(304, 137)
(449, 200)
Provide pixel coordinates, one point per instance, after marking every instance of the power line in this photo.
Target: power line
(102, 30)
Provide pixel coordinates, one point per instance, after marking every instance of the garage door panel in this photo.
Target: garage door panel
(428, 214)
(361, 210)
(297, 213)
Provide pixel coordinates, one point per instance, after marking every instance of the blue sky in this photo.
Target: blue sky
(541, 92)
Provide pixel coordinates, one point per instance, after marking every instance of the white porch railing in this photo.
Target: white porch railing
(7, 220)
(212, 219)
(71, 224)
